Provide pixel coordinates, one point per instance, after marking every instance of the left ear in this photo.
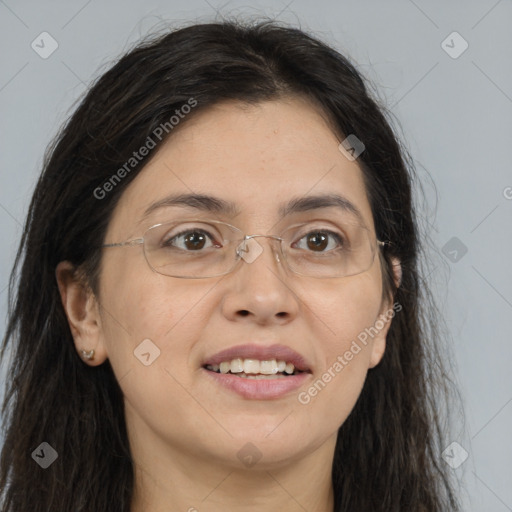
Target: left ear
(383, 323)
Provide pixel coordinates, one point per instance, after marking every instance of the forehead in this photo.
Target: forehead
(260, 158)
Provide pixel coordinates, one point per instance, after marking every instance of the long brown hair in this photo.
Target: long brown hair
(387, 456)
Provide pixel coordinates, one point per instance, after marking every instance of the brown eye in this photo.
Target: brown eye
(191, 240)
(195, 240)
(319, 241)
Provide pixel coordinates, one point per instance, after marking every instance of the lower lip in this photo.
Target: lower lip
(263, 389)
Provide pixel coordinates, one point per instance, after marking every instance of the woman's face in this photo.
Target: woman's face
(259, 158)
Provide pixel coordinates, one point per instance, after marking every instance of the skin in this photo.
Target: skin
(184, 431)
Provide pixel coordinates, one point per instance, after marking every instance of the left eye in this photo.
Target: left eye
(318, 241)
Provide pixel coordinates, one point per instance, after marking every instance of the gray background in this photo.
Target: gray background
(454, 114)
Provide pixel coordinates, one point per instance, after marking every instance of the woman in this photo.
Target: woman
(219, 299)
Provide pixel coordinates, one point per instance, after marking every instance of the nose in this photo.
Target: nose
(258, 289)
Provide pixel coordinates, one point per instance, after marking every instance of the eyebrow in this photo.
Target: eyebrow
(217, 205)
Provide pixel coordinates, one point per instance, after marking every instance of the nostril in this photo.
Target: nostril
(243, 312)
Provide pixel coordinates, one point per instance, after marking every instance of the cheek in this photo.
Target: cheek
(142, 305)
(345, 309)
(150, 325)
(347, 313)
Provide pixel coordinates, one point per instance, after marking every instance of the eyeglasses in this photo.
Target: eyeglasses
(202, 248)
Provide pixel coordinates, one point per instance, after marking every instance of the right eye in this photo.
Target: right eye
(190, 240)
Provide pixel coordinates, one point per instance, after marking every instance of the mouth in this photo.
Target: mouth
(255, 369)
(252, 360)
(257, 372)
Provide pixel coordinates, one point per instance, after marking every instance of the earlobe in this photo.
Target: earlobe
(383, 322)
(397, 271)
(378, 349)
(379, 341)
(82, 312)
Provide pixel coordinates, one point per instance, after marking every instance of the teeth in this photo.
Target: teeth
(237, 366)
(270, 367)
(225, 367)
(261, 377)
(289, 368)
(251, 366)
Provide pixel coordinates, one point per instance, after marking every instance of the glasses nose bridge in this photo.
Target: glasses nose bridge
(273, 237)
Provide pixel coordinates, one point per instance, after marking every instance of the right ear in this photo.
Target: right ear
(397, 271)
(82, 312)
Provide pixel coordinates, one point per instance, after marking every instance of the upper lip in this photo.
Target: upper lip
(262, 353)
